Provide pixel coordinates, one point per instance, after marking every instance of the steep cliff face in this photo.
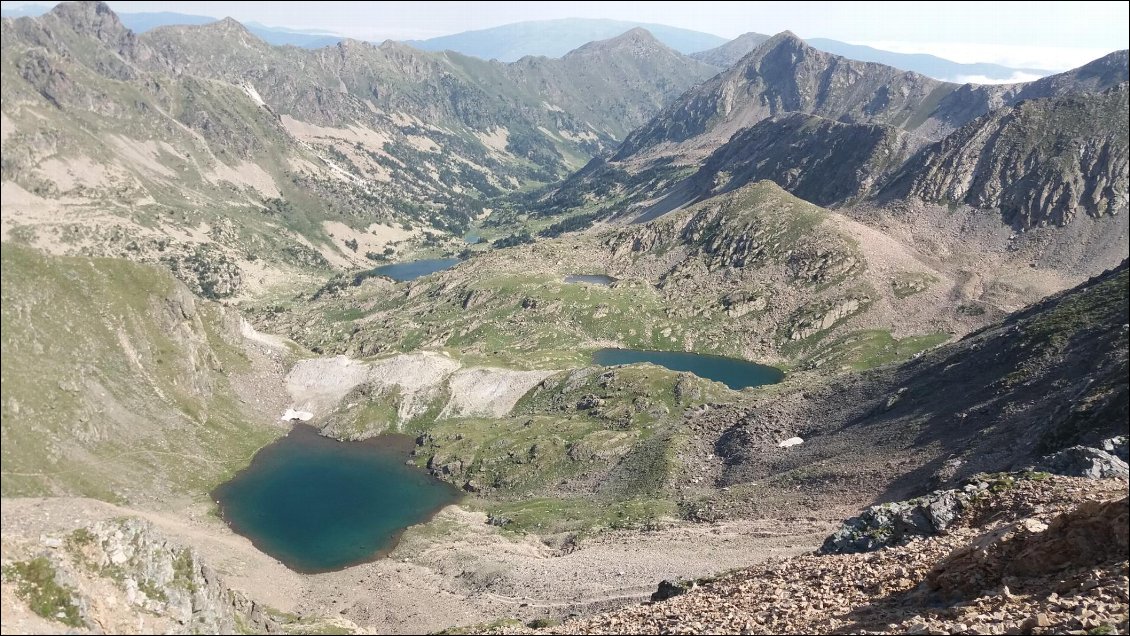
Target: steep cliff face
(1041, 162)
(819, 160)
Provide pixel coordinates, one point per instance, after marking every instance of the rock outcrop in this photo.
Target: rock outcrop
(895, 523)
(1084, 461)
(1041, 162)
(108, 575)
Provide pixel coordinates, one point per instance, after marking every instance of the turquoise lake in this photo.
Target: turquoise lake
(734, 373)
(318, 504)
(412, 270)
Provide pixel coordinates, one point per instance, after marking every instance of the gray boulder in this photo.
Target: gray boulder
(1084, 461)
(895, 523)
(1116, 446)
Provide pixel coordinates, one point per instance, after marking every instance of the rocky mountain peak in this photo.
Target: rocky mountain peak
(784, 46)
(95, 19)
(1112, 67)
(638, 35)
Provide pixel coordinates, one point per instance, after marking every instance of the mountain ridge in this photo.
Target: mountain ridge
(354, 134)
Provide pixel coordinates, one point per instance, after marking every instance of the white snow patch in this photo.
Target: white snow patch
(291, 415)
(792, 441)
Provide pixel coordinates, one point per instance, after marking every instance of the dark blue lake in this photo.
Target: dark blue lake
(412, 270)
(592, 279)
(734, 373)
(318, 504)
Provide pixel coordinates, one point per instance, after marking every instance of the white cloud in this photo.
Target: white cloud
(981, 79)
(1052, 58)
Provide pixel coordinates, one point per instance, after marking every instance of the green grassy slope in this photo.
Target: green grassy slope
(115, 383)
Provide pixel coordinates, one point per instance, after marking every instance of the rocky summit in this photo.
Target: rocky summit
(682, 335)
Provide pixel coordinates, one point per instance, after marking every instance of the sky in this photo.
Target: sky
(1048, 35)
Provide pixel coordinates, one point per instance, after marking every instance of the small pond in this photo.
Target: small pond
(591, 279)
(411, 270)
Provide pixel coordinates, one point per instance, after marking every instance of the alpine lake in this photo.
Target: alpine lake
(318, 504)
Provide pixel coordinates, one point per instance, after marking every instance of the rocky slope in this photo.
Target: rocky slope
(1041, 162)
(205, 144)
(1047, 378)
(819, 160)
(783, 75)
(102, 576)
(859, 136)
(1040, 557)
(122, 574)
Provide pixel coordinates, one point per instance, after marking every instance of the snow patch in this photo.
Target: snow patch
(301, 416)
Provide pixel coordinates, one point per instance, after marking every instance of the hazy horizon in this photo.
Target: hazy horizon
(965, 32)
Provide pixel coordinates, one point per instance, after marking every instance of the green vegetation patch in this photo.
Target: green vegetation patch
(862, 350)
(36, 584)
(83, 338)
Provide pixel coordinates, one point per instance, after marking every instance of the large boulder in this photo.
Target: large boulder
(895, 523)
(1084, 461)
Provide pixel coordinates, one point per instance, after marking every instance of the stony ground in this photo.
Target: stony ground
(1039, 557)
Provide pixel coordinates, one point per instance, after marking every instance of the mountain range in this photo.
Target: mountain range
(884, 128)
(347, 129)
(555, 38)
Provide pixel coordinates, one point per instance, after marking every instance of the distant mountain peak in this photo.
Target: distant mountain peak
(724, 56)
(636, 34)
(229, 25)
(637, 39)
(556, 38)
